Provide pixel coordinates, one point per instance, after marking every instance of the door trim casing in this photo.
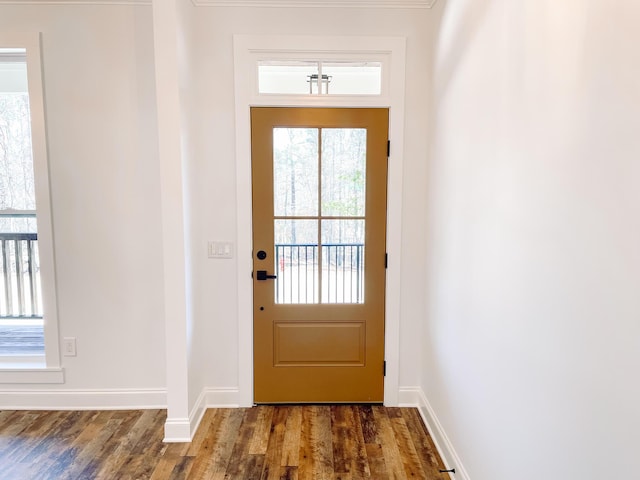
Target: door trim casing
(247, 50)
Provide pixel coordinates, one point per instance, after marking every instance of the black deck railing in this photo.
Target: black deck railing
(19, 276)
(332, 274)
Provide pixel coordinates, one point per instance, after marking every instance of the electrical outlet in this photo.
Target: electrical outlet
(69, 346)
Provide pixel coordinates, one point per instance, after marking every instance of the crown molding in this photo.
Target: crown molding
(247, 3)
(317, 3)
(75, 2)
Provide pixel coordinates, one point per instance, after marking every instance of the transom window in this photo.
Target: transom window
(295, 77)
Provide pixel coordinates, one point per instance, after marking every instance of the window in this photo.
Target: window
(319, 206)
(317, 77)
(21, 325)
(28, 321)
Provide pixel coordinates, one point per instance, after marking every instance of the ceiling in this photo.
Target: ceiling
(246, 3)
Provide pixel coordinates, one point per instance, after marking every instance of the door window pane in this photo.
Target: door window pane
(295, 172)
(344, 158)
(296, 261)
(343, 261)
(310, 269)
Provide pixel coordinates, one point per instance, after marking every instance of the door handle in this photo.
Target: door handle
(262, 275)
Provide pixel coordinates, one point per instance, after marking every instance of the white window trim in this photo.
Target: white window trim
(47, 368)
(313, 3)
(247, 50)
(375, 57)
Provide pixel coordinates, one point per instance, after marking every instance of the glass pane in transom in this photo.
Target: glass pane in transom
(288, 77)
(353, 78)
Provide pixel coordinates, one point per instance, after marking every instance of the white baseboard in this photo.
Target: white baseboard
(177, 430)
(196, 414)
(222, 397)
(184, 429)
(58, 399)
(409, 397)
(415, 397)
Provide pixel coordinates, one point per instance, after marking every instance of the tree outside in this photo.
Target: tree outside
(319, 202)
(19, 266)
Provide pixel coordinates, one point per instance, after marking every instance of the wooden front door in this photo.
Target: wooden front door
(319, 179)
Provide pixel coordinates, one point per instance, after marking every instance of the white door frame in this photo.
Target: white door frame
(390, 51)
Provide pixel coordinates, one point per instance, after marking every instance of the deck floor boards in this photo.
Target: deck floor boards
(21, 340)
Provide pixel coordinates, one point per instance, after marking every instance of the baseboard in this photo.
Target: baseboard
(58, 399)
(222, 397)
(196, 414)
(184, 429)
(415, 397)
(177, 430)
(409, 397)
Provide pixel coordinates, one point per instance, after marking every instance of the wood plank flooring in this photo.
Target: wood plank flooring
(319, 442)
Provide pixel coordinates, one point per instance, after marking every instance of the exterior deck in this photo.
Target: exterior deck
(19, 338)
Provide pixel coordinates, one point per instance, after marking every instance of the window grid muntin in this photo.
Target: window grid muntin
(284, 278)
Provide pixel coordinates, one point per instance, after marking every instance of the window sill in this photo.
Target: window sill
(29, 370)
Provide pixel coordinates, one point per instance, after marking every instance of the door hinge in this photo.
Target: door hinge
(384, 368)
(386, 260)
(388, 148)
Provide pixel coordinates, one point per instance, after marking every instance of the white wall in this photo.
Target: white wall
(524, 239)
(99, 80)
(101, 123)
(213, 178)
(532, 339)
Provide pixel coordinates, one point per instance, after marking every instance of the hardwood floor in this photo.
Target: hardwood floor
(345, 442)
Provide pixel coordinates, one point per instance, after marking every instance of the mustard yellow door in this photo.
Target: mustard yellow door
(319, 219)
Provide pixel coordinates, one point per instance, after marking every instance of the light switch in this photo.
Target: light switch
(219, 249)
